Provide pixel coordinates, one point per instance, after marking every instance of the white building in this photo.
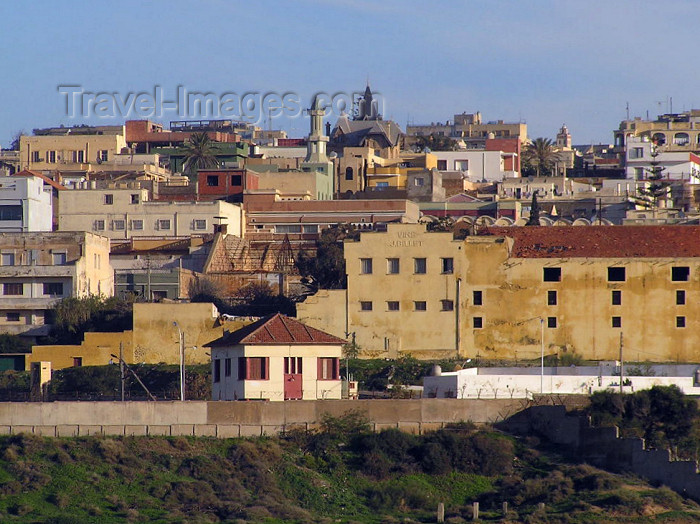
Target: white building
(477, 166)
(276, 358)
(676, 165)
(122, 213)
(25, 204)
(524, 382)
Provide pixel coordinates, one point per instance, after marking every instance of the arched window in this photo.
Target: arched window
(348, 173)
(681, 139)
(659, 139)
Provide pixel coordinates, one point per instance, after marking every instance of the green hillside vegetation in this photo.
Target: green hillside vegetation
(340, 473)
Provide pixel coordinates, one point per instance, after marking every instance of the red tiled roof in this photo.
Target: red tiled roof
(47, 180)
(277, 329)
(602, 241)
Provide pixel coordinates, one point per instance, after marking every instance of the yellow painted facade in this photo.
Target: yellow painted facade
(154, 338)
(69, 152)
(502, 303)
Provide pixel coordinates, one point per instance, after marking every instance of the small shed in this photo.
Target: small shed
(276, 358)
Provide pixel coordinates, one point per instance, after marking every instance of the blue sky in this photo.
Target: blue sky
(540, 61)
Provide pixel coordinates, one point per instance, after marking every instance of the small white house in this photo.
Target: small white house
(276, 358)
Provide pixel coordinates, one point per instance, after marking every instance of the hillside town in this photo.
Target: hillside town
(462, 239)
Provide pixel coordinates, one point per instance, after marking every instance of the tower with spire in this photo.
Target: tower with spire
(366, 107)
(317, 160)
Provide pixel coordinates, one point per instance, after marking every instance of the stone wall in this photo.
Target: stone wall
(604, 448)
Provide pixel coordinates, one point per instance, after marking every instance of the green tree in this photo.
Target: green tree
(539, 156)
(259, 299)
(325, 269)
(534, 219)
(436, 142)
(199, 153)
(652, 194)
(14, 344)
(74, 316)
(14, 144)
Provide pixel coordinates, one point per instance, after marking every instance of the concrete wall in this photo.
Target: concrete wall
(234, 419)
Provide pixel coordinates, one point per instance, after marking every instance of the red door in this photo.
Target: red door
(292, 378)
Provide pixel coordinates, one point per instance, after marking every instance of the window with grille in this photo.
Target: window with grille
(328, 368)
(253, 368)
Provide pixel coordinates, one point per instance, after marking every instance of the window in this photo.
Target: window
(164, 224)
(616, 297)
(200, 224)
(639, 173)
(365, 305)
(328, 368)
(293, 365)
(311, 229)
(616, 274)
(135, 198)
(12, 316)
(419, 181)
(51, 156)
(78, 157)
(447, 265)
(35, 156)
(77, 362)
(551, 322)
(212, 180)
(392, 266)
(551, 298)
(477, 322)
(99, 225)
(137, 225)
(681, 139)
(461, 165)
(11, 213)
(236, 180)
(659, 139)
(477, 298)
(419, 266)
(680, 297)
(13, 288)
(680, 322)
(109, 199)
(58, 258)
(102, 155)
(617, 322)
(637, 152)
(442, 165)
(366, 266)
(54, 289)
(551, 274)
(8, 259)
(119, 225)
(217, 370)
(447, 305)
(392, 305)
(288, 228)
(348, 173)
(420, 305)
(253, 368)
(680, 273)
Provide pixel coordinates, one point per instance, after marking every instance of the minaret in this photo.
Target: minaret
(564, 138)
(316, 144)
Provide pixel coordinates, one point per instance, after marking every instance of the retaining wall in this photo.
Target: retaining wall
(233, 419)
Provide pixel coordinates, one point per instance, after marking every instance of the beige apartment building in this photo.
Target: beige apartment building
(126, 212)
(518, 292)
(70, 152)
(39, 269)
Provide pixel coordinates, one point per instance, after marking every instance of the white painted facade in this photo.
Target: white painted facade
(677, 165)
(477, 165)
(487, 383)
(230, 387)
(25, 204)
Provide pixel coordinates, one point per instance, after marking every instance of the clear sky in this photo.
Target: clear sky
(545, 62)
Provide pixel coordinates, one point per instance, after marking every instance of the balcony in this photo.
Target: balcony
(37, 272)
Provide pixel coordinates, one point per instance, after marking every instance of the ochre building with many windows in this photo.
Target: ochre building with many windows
(513, 293)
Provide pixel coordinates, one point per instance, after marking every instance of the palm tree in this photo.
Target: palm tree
(199, 153)
(540, 156)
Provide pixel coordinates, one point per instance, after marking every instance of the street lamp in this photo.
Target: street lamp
(181, 344)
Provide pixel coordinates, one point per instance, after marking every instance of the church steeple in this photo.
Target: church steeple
(367, 109)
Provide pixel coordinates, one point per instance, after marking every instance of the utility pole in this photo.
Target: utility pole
(541, 355)
(621, 365)
(121, 367)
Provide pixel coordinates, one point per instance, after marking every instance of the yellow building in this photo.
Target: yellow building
(154, 338)
(518, 291)
(393, 173)
(70, 152)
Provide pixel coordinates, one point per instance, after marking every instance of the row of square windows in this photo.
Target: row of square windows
(137, 224)
(615, 322)
(549, 274)
(615, 298)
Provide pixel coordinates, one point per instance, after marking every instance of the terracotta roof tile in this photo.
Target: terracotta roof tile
(602, 241)
(277, 329)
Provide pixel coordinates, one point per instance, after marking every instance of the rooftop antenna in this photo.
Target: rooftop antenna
(628, 110)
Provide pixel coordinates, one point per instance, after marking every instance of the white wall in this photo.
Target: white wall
(35, 199)
(481, 164)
